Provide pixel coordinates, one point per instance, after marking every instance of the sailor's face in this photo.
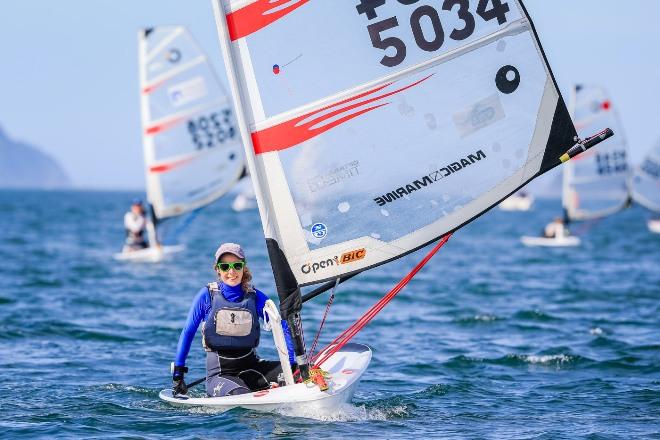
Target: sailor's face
(232, 277)
(137, 209)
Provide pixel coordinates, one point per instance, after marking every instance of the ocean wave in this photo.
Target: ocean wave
(477, 319)
(350, 412)
(559, 360)
(39, 282)
(54, 329)
(546, 359)
(114, 387)
(534, 315)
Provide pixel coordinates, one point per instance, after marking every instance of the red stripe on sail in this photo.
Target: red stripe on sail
(293, 132)
(155, 129)
(150, 88)
(168, 166)
(256, 16)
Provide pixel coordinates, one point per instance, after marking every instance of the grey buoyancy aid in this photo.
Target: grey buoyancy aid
(231, 324)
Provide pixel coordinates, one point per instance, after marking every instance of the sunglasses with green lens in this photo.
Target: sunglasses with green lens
(236, 265)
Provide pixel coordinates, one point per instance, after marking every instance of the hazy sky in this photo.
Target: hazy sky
(69, 74)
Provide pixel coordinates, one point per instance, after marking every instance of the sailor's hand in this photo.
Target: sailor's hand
(179, 387)
(178, 384)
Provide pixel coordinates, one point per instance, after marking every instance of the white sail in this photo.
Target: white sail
(596, 183)
(646, 181)
(192, 148)
(372, 128)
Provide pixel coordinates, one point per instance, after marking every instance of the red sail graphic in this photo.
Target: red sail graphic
(151, 87)
(165, 125)
(295, 131)
(168, 166)
(258, 15)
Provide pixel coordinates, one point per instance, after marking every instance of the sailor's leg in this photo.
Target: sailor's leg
(261, 374)
(220, 386)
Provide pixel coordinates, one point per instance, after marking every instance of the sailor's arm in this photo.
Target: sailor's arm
(195, 317)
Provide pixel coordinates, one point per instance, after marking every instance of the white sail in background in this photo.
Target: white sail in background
(596, 183)
(646, 181)
(520, 201)
(374, 127)
(245, 199)
(192, 148)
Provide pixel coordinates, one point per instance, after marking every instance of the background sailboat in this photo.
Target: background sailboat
(646, 186)
(245, 199)
(520, 201)
(596, 183)
(192, 150)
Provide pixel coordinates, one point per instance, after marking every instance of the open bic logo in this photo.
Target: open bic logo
(319, 230)
(346, 257)
(349, 257)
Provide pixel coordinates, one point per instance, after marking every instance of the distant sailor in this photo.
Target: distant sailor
(229, 311)
(556, 229)
(135, 223)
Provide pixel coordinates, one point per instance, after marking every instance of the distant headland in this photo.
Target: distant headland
(25, 166)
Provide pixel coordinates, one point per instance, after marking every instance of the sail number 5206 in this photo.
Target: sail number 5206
(211, 131)
(430, 41)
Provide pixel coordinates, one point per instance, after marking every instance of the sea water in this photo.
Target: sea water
(490, 340)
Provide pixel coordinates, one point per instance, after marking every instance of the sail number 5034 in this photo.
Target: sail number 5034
(429, 41)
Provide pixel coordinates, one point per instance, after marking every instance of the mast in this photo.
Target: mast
(567, 170)
(152, 221)
(287, 286)
(147, 141)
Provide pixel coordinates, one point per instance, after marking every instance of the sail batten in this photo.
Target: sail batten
(159, 80)
(155, 49)
(174, 118)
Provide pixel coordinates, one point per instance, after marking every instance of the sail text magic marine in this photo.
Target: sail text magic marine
(430, 178)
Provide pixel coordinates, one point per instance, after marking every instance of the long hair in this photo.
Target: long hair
(246, 281)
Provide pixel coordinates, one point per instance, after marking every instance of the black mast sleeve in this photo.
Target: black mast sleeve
(290, 302)
(286, 283)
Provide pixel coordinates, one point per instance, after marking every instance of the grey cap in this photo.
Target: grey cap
(229, 248)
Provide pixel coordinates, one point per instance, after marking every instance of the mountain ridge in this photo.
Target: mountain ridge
(26, 166)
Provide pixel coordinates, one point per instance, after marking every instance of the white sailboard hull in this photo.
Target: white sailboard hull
(516, 203)
(150, 254)
(550, 242)
(654, 226)
(345, 369)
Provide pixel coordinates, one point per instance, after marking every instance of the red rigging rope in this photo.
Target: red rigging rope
(325, 315)
(358, 325)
